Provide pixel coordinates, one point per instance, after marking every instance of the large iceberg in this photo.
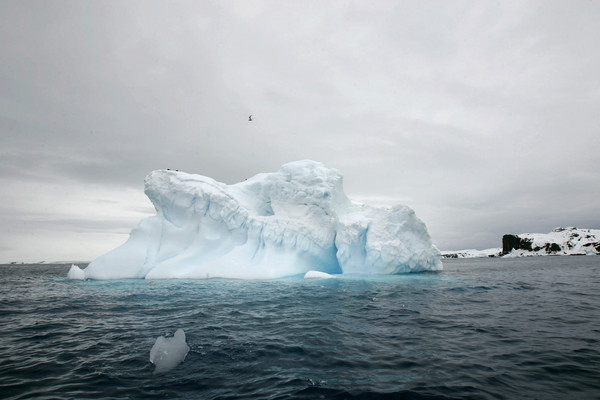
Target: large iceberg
(271, 225)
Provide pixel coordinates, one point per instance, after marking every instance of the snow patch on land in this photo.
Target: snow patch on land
(472, 253)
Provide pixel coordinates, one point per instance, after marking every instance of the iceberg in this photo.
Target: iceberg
(271, 225)
(168, 352)
(76, 273)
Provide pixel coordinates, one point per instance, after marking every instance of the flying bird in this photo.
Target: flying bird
(250, 117)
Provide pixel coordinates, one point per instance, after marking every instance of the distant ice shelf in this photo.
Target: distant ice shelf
(272, 225)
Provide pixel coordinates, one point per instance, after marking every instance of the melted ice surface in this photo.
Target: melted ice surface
(272, 225)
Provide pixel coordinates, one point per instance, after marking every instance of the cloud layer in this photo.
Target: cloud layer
(482, 116)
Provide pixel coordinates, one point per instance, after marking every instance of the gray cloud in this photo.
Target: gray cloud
(480, 115)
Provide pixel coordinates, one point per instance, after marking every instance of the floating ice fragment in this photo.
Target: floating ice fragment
(317, 275)
(168, 352)
(76, 273)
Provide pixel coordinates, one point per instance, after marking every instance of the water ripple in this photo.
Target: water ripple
(484, 329)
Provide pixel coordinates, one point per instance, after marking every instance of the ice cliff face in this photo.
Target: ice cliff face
(272, 225)
(561, 241)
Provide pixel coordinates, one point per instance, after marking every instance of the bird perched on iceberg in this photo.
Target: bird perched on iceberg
(250, 117)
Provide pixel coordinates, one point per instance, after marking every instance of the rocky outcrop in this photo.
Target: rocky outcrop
(561, 241)
(513, 242)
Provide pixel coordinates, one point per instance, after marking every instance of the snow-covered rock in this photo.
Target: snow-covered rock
(272, 225)
(561, 241)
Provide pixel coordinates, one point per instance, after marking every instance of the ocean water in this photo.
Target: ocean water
(481, 329)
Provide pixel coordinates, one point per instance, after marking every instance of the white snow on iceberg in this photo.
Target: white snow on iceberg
(272, 225)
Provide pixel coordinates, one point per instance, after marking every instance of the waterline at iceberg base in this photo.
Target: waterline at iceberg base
(272, 225)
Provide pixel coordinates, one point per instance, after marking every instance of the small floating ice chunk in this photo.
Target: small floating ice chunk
(168, 352)
(317, 275)
(76, 273)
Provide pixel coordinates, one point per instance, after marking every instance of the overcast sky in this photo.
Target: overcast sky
(483, 116)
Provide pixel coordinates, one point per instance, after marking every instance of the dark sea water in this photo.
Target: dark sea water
(481, 329)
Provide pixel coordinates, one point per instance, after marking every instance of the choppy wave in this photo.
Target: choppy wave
(525, 328)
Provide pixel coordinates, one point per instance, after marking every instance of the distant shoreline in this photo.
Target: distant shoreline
(569, 241)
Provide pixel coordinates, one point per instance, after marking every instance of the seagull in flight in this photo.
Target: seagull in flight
(250, 117)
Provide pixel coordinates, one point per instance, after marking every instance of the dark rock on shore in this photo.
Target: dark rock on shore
(561, 241)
